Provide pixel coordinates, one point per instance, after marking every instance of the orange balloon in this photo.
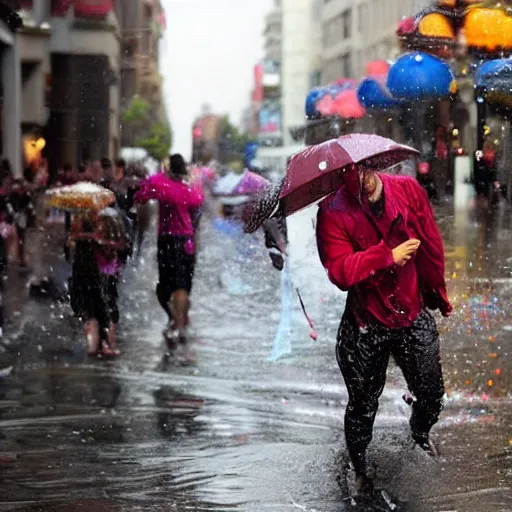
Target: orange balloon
(436, 25)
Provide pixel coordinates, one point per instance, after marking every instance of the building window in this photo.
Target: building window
(315, 79)
(346, 65)
(346, 17)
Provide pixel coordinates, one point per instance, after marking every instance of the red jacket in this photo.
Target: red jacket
(356, 249)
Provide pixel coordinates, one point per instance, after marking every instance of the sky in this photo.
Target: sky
(208, 55)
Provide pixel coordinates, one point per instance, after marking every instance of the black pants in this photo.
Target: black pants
(175, 268)
(363, 356)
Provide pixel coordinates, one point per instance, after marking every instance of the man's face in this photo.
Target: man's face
(368, 180)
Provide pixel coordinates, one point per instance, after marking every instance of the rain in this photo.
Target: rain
(304, 309)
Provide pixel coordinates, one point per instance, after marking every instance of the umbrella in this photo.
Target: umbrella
(81, 196)
(204, 175)
(250, 184)
(318, 171)
(226, 184)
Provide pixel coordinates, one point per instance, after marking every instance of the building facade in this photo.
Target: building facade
(273, 33)
(68, 72)
(85, 81)
(142, 24)
(356, 32)
(24, 54)
(301, 62)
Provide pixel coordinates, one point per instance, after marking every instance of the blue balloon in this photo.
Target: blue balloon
(495, 75)
(372, 94)
(420, 76)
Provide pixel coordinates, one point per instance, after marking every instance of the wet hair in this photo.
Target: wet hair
(106, 163)
(178, 165)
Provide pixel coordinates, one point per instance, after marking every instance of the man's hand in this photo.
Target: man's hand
(404, 252)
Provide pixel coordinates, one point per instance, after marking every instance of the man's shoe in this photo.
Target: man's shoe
(363, 486)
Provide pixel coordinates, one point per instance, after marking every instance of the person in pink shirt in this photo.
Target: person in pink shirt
(178, 201)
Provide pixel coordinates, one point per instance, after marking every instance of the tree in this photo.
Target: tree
(158, 142)
(147, 129)
(232, 133)
(137, 113)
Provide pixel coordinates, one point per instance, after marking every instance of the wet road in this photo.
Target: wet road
(219, 427)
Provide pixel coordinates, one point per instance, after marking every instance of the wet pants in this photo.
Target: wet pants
(363, 356)
(175, 268)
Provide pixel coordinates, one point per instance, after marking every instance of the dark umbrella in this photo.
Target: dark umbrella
(317, 171)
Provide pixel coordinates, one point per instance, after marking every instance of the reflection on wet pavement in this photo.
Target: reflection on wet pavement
(216, 426)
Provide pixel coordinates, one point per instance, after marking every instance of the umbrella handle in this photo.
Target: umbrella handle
(313, 334)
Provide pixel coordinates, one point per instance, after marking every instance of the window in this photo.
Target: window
(346, 65)
(346, 17)
(315, 79)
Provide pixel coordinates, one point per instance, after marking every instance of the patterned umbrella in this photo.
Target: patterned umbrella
(80, 197)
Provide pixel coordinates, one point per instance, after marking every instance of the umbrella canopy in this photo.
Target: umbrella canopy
(418, 76)
(250, 184)
(319, 170)
(204, 175)
(225, 185)
(81, 196)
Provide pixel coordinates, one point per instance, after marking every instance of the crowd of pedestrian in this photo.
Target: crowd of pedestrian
(24, 218)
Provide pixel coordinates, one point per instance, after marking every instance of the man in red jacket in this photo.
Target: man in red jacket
(378, 240)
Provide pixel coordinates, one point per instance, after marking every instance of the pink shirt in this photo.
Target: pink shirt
(176, 199)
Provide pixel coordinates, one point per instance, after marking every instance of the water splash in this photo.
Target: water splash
(282, 345)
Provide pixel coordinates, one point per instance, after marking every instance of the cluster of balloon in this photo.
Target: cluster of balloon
(337, 99)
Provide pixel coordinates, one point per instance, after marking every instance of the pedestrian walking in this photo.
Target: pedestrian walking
(95, 272)
(177, 200)
(378, 240)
